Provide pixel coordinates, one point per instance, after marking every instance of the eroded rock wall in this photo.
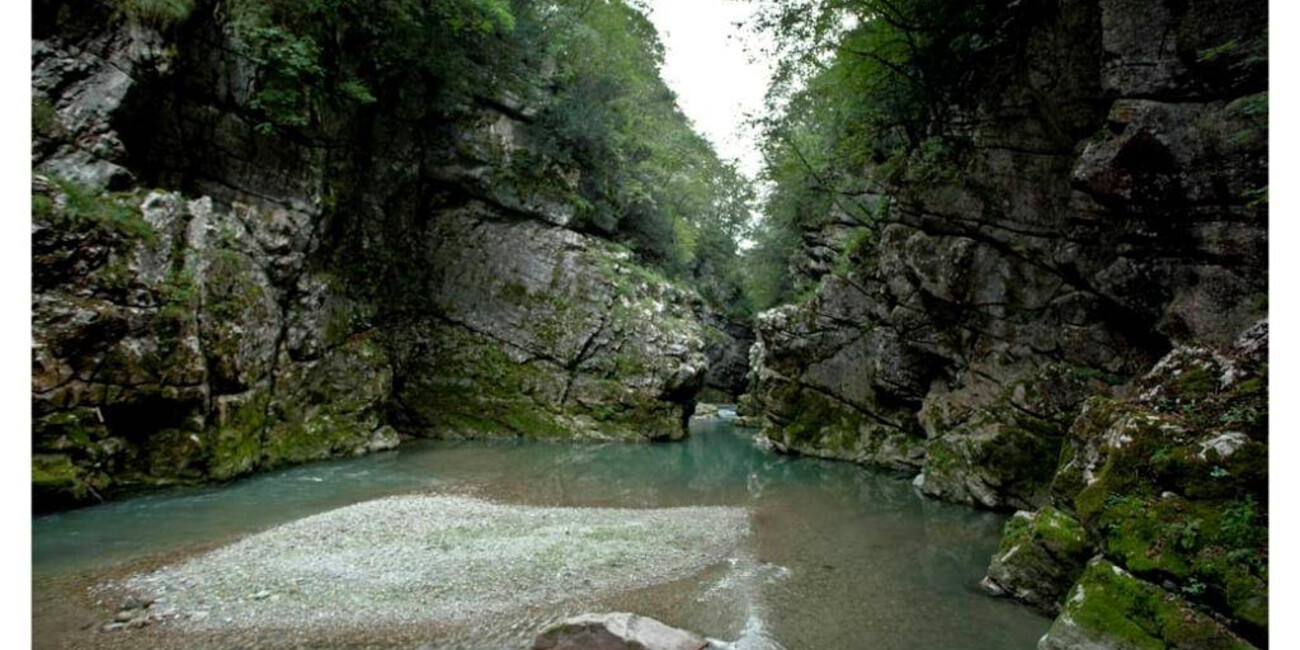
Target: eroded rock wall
(287, 298)
(1103, 206)
(178, 341)
(1066, 318)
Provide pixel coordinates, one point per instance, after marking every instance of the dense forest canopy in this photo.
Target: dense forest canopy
(606, 126)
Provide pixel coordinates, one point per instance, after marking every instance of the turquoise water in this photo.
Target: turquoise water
(838, 557)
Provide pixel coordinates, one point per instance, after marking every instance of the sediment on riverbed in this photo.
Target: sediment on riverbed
(433, 559)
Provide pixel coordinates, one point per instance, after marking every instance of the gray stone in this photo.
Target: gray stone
(616, 631)
(1105, 212)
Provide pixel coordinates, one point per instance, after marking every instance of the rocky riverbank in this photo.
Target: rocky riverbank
(1057, 308)
(243, 319)
(411, 562)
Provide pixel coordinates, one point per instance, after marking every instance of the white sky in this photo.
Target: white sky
(708, 66)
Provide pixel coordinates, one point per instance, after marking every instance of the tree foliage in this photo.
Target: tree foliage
(605, 124)
(867, 96)
(648, 178)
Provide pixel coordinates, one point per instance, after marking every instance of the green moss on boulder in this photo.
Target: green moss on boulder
(821, 426)
(1169, 488)
(1040, 556)
(1110, 608)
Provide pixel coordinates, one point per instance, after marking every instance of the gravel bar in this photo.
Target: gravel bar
(435, 559)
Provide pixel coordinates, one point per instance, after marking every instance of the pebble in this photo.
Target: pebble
(429, 559)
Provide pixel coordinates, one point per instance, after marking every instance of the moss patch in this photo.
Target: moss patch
(237, 442)
(1110, 603)
(118, 214)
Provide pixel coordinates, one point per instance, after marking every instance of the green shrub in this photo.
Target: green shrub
(158, 12)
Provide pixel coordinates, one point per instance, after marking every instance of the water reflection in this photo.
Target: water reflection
(839, 557)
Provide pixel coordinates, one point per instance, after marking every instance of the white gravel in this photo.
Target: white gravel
(431, 559)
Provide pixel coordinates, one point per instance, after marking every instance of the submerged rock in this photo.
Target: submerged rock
(617, 631)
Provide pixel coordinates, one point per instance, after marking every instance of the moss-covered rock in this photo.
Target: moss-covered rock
(1170, 487)
(538, 331)
(57, 481)
(824, 427)
(1109, 608)
(820, 392)
(1040, 556)
(237, 433)
(163, 353)
(995, 444)
(328, 406)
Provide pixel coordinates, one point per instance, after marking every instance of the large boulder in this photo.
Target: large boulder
(1167, 489)
(616, 631)
(1040, 556)
(824, 389)
(1110, 609)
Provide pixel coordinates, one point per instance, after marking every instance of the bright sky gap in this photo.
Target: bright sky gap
(718, 80)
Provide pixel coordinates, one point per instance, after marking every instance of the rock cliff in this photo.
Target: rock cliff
(284, 298)
(1105, 208)
(1055, 303)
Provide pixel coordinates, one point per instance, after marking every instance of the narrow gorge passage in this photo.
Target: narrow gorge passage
(650, 324)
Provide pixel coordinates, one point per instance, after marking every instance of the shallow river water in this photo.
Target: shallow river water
(837, 557)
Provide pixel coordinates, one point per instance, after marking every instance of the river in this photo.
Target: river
(836, 556)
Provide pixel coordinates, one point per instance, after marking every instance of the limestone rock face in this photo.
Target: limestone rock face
(617, 631)
(1104, 207)
(166, 347)
(541, 331)
(824, 392)
(727, 346)
(1167, 489)
(288, 299)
